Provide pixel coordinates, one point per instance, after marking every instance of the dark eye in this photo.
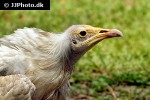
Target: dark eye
(83, 33)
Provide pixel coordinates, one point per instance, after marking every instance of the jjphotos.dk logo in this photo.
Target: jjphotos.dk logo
(6, 5)
(25, 5)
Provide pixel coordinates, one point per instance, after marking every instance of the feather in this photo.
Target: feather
(16, 87)
(38, 55)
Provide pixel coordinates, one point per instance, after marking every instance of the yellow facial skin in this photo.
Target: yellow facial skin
(90, 35)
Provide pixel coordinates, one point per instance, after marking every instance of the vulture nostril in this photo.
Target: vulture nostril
(103, 31)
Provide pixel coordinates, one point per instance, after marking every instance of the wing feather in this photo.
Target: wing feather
(16, 87)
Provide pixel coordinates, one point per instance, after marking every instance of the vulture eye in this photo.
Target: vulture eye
(83, 33)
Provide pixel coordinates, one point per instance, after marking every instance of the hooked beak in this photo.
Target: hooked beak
(100, 34)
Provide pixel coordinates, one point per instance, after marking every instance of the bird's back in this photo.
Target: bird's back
(17, 49)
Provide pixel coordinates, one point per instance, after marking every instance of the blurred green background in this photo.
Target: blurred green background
(115, 69)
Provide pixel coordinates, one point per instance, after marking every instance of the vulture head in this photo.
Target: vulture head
(84, 37)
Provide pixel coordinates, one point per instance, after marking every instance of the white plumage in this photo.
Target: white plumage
(28, 51)
(37, 64)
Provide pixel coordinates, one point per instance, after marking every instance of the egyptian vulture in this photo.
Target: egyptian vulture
(36, 65)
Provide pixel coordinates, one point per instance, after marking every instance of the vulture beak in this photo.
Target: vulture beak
(109, 33)
(100, 34)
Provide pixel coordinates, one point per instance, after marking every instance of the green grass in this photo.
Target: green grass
(115, 68)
